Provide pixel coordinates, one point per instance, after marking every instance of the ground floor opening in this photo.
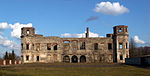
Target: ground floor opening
(66, 59)
(82, 59)
(37, 58)
(74, 59)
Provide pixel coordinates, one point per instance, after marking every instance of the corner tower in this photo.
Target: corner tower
(26, 44)
(27, 31)
(121, 43)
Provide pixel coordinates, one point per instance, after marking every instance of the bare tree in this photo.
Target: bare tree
(6, 56)
(132, 48)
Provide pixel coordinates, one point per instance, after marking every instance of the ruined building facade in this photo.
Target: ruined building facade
(112, 48)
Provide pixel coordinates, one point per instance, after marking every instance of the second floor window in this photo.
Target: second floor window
(55, 47)
(48, 46)
(109, 46)
(120, 45)
(82, 47)
(27, 46)
(95, 46)
(37, 46)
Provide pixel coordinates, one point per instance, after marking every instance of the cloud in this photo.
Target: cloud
(92, 18)
(8, 43)
(111, 8)
(4, 25)
(1, 32)
(80, 35)
(15, 33)
(16, 29)
(138, 41)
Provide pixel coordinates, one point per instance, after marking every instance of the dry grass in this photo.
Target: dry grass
(67, 69)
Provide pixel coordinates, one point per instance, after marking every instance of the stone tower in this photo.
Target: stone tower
(26, 34)
(121, 43)
(27, 31)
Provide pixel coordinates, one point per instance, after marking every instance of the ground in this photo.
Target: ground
(73, 69)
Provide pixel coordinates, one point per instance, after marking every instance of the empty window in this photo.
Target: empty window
(126, 45)
(37, 58)
(121, 57)
(27, 57)
(82, 47)
(66, 41)
(48, 46)
(126, 29)
(120, 30)
(37, 46)
(120, 46)
(22, 46)
(28, 32)
(27, 46)
(74, 45)
(55, 47)
(21, 57)
(109, 46)
(32, 46)
(95, 46)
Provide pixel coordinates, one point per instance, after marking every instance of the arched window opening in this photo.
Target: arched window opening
(66, 59)
(120, 30)
(55, 47)
(74, 59)
(82, 59)
(66, 41)
(28, 32)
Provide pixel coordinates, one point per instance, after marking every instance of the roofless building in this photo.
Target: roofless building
(112, 48)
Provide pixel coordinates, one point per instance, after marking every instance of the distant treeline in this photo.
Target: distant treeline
(10, 56)
(138, 51)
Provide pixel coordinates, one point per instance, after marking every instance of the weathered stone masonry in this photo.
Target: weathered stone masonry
(112, 48)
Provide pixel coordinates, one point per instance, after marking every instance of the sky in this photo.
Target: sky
(69, 18)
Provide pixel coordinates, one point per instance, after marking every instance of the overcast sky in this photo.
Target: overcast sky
(69, 18)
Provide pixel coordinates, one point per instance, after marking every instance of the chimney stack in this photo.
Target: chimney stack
(87, 32)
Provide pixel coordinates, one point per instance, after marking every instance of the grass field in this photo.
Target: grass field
(68, 69)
